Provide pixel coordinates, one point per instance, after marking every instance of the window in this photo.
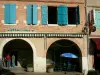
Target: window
(94, 17)
(71, 15)
(10, 14)
(31, 16)
(97, 19)
(61, 15)
(52, 15)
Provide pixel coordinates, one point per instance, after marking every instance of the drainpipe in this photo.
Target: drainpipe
(87, 26)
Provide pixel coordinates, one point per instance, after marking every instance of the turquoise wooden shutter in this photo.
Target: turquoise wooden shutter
(65, 15)
(35, 14)
(12, 13)
(97, 19)
(29, 14)
(59, 15)
(77, 15)
(62, 15)
(44, 14)
(7, 14)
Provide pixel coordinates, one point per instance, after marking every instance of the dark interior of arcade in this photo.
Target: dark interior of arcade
(64, 46)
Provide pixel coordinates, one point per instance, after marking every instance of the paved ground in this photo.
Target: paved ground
(54, 73)
(20, 71)
(32, 73)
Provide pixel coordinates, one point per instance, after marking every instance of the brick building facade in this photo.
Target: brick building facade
(93, 12)
(36, 26)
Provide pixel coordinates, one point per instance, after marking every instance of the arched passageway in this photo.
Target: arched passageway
(22, 51)
(64, 46)
(95, 51)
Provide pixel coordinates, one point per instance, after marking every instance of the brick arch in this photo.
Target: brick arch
(77, 46)
(51, 41)
(24, 39)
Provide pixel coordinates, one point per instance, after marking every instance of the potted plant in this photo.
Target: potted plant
(50, 68)
(30, 67)
(93, 72)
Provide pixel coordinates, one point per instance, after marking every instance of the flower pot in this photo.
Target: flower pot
(29, 69)
(93, 72)
(50, 70)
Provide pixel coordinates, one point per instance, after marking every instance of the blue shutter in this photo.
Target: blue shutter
(97, 19)
(12, 13)
(77, 15)
(7, 14)
(44, 14)
(65, 15)
(35, 14)
(62, 15)
(97, 15)
(29, 14)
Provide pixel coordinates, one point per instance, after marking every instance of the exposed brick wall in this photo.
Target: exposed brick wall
(21, 16)
(80, 42)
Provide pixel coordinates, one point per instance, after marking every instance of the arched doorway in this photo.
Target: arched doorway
(21, 49)
(64, 46)
(95, 49)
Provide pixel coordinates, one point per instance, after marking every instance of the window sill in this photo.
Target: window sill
(31, 25)
(53, 25)
(97, 27)
(62, 25)
(10, 24)
(17, 21)
(72, 25)
(24, 21)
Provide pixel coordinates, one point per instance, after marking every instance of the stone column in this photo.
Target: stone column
(85, 55)
(84, 65)
(91, 61)
(40, 64)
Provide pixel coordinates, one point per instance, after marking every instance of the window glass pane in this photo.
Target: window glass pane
(52, 15)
